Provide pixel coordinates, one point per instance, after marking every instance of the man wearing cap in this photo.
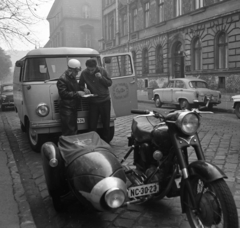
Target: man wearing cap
(69, 94)
(97, 81)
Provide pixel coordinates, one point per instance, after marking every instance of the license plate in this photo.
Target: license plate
(80, 120)
(143, 190)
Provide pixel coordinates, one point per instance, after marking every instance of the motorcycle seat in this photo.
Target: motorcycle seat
(141, 129)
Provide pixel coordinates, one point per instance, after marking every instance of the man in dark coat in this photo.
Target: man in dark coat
(69, 95)
(97, 81)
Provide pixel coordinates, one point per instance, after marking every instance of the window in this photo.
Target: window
(160, 11)
(88, 39)
(221, 83)
(179, 84)
(145, 64)
(197, 54)
(85, 11)
(198, 4)
(222, 51)
(134, 20)
(146, 15)
(111, 29)
(106, 27)
(118, 66)
(170, 84)
(178, 8)
(159, 59)
(124, 26)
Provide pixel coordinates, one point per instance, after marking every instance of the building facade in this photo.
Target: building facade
(75, 23)
(176, 38)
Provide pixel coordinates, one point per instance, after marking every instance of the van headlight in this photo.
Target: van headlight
(188, 123)
(42, 110)
(115, 197)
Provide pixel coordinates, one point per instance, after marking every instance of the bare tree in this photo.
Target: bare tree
(16, 18)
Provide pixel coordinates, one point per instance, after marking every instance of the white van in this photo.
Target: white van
(36, 93)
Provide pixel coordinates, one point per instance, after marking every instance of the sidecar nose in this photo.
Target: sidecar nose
(109, 193)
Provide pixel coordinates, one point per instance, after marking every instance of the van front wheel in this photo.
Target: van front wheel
(35, 140)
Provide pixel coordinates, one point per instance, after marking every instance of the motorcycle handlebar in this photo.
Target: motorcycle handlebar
(137, 111)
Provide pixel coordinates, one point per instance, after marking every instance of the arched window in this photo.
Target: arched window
(159, 59)
(222, 51)
(85, 11)
(145, 61)
(197, 54)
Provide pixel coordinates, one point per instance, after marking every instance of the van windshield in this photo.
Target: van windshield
(41, 69)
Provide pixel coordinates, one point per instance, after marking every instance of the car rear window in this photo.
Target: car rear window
(197, 84)
(41, 69)
(7, 88)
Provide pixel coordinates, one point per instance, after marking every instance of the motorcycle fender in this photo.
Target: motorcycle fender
(207, 171)
(54, 176)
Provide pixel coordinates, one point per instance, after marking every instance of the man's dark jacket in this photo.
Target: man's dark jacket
(67, 88)
(98, 86)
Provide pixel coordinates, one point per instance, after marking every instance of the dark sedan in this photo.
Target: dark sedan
(6, 97)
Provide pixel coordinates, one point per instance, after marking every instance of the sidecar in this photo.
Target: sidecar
(85, 165)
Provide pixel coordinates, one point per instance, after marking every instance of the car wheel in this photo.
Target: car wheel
(35, 140)
(183, 103)
(237, 110)
(210, 107)
(158, 102)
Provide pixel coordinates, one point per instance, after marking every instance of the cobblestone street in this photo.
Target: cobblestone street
(220, 141)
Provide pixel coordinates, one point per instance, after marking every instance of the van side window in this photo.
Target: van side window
(35, 70)
(118, 66)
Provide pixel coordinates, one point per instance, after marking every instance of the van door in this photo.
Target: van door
(124, 87)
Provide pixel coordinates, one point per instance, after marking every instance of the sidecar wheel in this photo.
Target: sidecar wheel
(216, 205)
(57, 204)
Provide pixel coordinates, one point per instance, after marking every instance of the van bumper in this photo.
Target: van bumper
(54, 126)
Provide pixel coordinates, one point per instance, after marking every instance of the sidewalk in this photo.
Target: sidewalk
(14, 211)
(225, 106)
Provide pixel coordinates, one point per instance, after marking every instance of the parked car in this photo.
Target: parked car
(6, 95)
(186, 92)
(236, 105)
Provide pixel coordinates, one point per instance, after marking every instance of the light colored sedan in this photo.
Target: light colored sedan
(236, 105)
(186, 92)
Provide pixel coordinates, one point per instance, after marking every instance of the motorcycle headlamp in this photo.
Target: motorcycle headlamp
(115, 197)
(188, 123)
(42, 110)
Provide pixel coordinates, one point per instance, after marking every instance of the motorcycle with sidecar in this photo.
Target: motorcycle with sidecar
(85, 165)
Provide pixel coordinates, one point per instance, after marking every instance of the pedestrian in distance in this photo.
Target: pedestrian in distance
(95, 80)
(69, 95)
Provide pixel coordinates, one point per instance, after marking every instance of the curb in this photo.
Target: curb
(215, 107)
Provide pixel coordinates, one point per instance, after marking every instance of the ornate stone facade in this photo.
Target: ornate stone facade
(208, 38)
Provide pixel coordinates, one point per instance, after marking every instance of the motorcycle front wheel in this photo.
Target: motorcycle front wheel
(215, 205)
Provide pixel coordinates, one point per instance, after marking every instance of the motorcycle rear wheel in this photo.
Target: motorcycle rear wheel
(216, 207)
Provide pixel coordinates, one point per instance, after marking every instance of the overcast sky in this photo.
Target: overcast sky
(41, 30)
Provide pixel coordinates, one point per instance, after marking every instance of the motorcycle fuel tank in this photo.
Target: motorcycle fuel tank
(161, 138)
